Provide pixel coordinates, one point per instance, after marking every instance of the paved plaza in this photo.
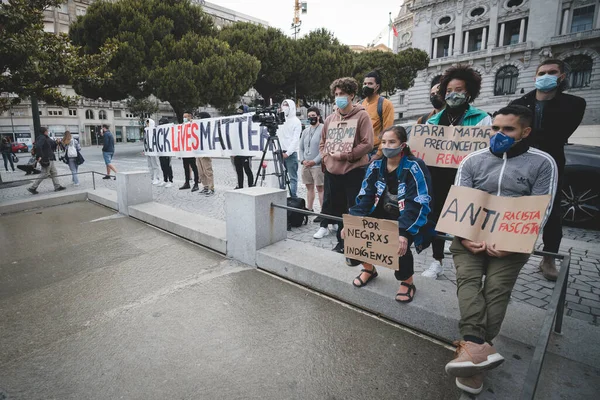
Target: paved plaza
(583, 297)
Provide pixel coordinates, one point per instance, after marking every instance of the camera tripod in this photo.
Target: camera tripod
(280, 169)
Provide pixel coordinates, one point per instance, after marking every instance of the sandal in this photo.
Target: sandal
(410, 294)
(373, 274)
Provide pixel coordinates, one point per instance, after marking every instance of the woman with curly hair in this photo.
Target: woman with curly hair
(459, 86)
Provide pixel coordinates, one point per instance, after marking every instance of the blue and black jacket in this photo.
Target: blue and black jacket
(414, 198)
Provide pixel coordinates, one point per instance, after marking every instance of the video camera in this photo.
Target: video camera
(269, 117)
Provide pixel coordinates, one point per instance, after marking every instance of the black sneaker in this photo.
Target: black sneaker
(318, 220)
(32, 191)
(209, 192)
(106, 177)
(195, 188)
(204, 190)
(339, 248)
(58, 189)
(352, 263)
(185, 186)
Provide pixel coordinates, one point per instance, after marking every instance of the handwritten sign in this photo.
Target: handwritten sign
(511, 223)
(446, 146)
(340, 136)
(213, 137)
(374, 241)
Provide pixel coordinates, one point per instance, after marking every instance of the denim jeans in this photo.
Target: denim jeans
(291, 164)
(73, 167)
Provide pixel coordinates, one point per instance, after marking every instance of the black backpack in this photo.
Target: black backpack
(296, 219)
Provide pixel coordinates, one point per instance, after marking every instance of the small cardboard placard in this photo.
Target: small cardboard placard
(511, 223)
(371, 240)
(446, 146)
(340, 136)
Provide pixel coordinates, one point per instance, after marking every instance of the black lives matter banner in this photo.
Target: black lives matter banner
(447, 146)
(213, 137)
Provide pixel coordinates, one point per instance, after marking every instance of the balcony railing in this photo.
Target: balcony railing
(576, 36)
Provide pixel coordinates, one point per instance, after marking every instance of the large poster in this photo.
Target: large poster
(213, 137)
(446, 146)
(511, 223)
(374, 241)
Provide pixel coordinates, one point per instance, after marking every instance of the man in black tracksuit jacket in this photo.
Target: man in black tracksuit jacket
(556, 116)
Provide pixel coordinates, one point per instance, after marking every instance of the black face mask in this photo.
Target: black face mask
(367, 91)
(313, 120)
(436, 102)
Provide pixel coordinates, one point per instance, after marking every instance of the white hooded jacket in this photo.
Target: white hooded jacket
(289, 133)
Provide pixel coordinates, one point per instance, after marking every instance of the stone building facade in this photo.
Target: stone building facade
(504, 40)
(86, 117)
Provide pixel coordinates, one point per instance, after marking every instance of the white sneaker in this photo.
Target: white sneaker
(435, 269)
(160, 184)
(321, 233)
(155, 182)
(169, 184)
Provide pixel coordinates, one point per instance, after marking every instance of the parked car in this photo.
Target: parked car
(19, 147)
(580, 202)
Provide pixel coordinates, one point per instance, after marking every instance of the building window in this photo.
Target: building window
(401, 99)
(475, 42)
(477, 12)
(506, 80)
(80, 11)
(73, 113)
(89, 114)
(583, 19)
(117, 113)
(580, 71)
(443, 47)
(444, 20)
(55, 113)
(102, 114)
(512, 33)
(513, 3)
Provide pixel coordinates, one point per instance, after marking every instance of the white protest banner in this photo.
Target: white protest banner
(212, 137)
(511, 223)
(446, 146)
(340, 136)
(374, 241)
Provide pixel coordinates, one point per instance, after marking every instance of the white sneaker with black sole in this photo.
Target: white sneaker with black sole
(435, 269)
(321, 233)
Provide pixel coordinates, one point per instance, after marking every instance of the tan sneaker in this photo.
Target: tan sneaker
(472, 358)
(548, 268)
(471, 384)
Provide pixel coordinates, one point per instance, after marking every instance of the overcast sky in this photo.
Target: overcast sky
(352, 21)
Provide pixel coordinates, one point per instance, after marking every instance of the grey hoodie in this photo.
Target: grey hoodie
(522, 171)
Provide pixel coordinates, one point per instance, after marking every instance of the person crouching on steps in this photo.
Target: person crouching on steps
(396, 187)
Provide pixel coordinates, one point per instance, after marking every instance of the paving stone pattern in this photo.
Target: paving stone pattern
(583, 296)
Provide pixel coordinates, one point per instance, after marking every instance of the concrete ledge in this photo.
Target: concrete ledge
(208, 232)
(42, 200)
(435, 308)
(105, 197)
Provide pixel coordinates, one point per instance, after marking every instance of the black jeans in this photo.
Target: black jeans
(242, 163)
(441, 179)
(342, 191)
(165, 165)
(190, 162)
(552, 234)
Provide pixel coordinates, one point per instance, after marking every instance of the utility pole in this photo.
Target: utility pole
(296, 23)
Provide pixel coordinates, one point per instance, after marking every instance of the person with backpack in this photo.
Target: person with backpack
(380, 110)
(397, 187)
(71, 147)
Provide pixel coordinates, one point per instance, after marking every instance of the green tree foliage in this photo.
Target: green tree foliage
(322, 59)
(34, 62)
(142, 107)
(166, 48)
(398, 71)
(275, 51)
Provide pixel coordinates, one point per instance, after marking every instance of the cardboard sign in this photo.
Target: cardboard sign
(511, 223)
(213, 137)
(374, 241)
(340, 136)
(446, 146)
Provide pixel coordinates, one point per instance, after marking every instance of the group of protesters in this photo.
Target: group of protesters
(381, 178)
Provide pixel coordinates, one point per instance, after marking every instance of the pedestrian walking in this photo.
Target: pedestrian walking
(396, 187)
(7, 154)
(108, 150)
(44, 151)
(72, 148)
(556, 116)
(205, 169)
(459, 86)
(310, 158)
(189, 163)
(500, 170)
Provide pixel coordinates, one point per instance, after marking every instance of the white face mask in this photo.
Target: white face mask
(185, 120)
(286, 110)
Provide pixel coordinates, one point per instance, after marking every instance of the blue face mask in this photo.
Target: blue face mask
(500, 143)
(342, 102)
(546, 83)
